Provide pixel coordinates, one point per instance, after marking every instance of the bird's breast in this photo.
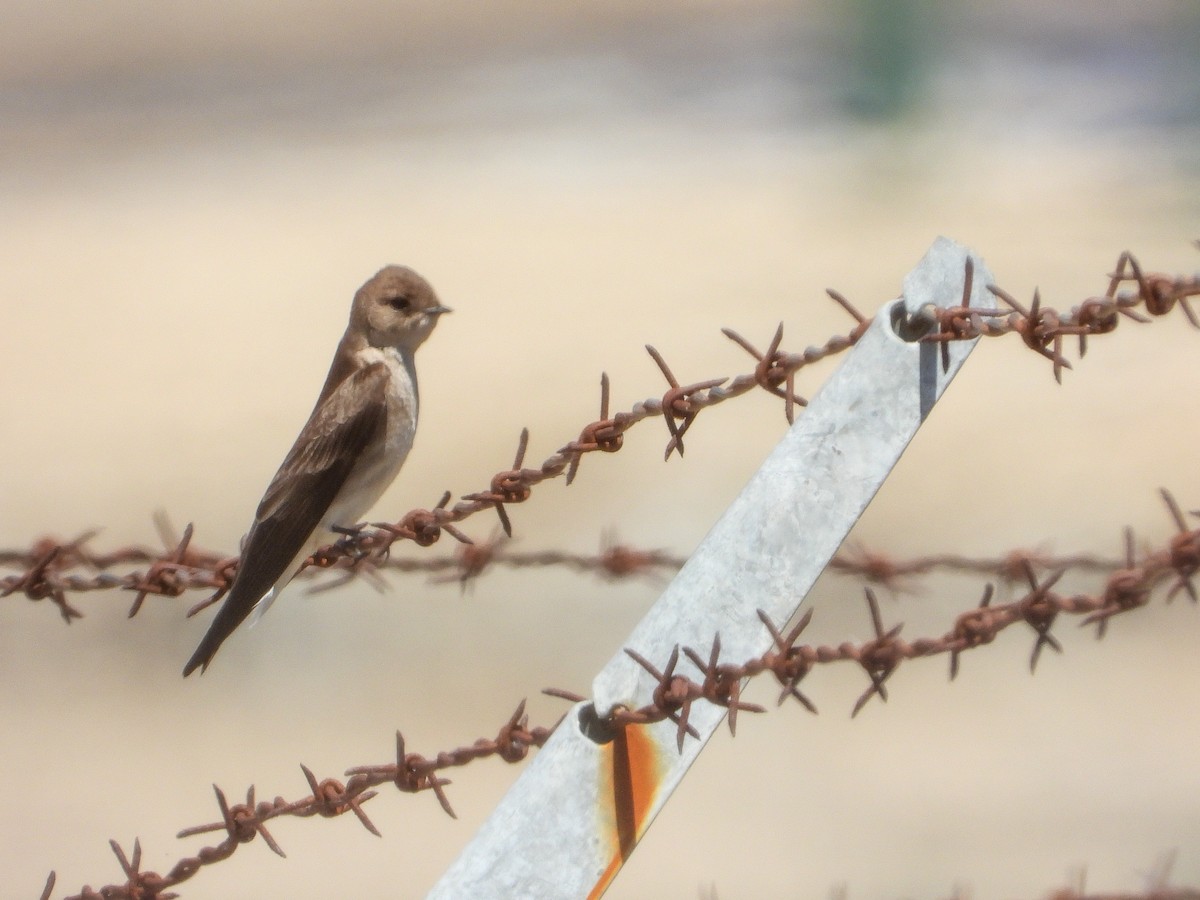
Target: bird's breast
(378, 466)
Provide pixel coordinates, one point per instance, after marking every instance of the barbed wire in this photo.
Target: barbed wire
(615, 561)
(51, 569)
(329, 798)
(788, 662)
(1158, 885)
(1157, 881)
(48, 564)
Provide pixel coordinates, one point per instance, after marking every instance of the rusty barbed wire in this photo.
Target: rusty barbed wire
(48, 566)
(1157, 881)
(1125, 590)
(1158, 886)
(614, 561)
(329, 798)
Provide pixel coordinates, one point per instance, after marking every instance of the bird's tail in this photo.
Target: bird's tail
(253, 590)
(230, 616)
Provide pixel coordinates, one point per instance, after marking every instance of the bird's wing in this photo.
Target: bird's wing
(300, 494)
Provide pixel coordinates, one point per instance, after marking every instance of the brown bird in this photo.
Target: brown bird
(355, 440)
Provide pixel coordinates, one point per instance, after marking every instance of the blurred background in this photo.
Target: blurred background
(193, 193)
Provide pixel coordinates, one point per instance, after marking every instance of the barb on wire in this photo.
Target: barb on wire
(958, 323)
(511, 486)
(1040, 328)
(604, 434)
(36, 584)
(1039, 608)
(771, 371)
(677, 408)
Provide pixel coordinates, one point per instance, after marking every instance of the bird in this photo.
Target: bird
(355, 441)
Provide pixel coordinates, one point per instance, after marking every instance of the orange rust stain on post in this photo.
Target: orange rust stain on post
(631, 774)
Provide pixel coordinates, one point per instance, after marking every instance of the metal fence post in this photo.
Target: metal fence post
(574, 815)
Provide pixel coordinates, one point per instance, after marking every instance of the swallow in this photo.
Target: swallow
(355, 441)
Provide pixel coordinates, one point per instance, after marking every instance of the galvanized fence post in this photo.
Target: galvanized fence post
(578, 810)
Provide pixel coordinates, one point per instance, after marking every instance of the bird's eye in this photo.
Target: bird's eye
(400, 303)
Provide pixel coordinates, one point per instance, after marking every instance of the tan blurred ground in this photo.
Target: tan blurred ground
(191, 197)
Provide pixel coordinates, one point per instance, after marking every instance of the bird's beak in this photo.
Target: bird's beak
(437, 310)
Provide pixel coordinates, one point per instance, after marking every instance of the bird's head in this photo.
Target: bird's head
(396, 308)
